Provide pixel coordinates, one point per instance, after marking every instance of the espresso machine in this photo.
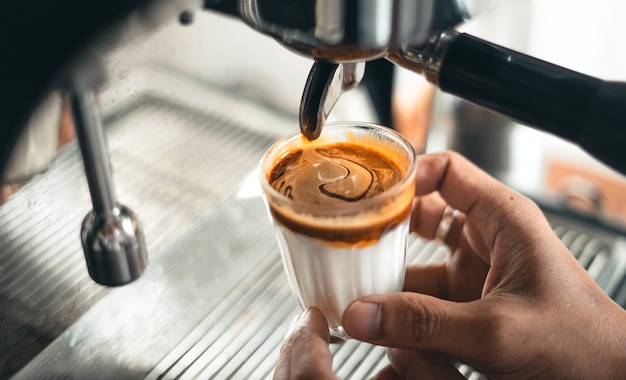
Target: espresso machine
(62, 48)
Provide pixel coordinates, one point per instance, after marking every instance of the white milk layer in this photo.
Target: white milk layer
(330, 277)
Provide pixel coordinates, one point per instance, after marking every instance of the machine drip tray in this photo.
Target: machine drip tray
(216, 304)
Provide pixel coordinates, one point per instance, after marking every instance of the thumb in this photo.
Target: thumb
(418, 321)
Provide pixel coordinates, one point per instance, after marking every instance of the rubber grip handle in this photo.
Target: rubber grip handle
(577, 107)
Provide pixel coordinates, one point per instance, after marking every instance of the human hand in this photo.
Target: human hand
(305, 353)
(510, 300)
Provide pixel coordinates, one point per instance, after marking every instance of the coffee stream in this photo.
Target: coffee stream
(335, 174)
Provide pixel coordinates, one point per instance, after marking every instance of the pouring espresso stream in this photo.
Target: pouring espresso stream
(324, 85)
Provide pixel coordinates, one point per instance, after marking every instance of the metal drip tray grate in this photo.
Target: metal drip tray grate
(227, 307)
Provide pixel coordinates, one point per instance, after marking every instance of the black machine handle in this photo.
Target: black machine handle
(585, 110)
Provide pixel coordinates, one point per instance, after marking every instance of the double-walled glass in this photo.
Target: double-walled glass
(334, 255)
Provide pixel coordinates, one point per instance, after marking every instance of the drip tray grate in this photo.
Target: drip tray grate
(232, 330)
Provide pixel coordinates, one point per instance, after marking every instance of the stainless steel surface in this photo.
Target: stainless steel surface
(351, 31)
(428, 58)
(325, 84)
(86, 112)
(114, 246)
(326, 29)
(111, 235)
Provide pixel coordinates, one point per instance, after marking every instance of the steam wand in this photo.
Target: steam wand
(111, 235)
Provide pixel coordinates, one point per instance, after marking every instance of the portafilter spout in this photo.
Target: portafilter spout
(111, 235)
(324, 85)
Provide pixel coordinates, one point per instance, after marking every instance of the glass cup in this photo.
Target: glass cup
(337, 245)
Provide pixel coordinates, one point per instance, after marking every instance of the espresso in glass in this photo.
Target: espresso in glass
(340, 206)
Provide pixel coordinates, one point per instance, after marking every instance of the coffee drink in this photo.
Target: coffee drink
(340, 207)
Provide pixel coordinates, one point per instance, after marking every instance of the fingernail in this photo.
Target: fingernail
(362, 320)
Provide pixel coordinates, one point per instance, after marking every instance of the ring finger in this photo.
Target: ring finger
(433, 219)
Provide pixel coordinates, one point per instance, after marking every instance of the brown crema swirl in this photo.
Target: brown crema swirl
(332, 178)
(330, 175)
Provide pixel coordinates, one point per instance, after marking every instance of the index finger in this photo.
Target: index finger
(305, 353)
(489, 206)
(460, 183)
